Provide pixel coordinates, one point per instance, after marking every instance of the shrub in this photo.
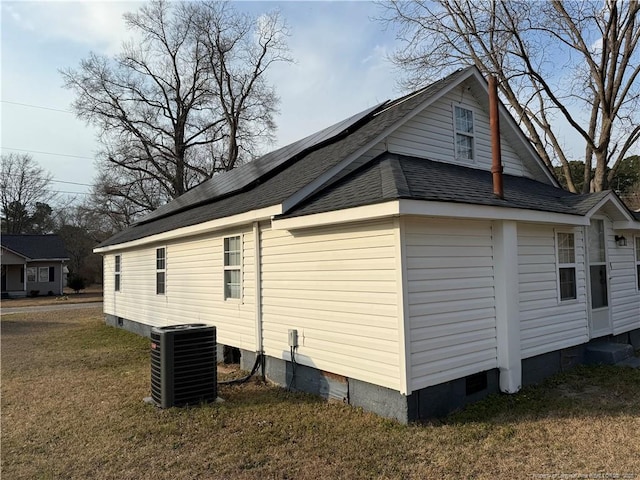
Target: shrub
(34, 293)
(76, 283)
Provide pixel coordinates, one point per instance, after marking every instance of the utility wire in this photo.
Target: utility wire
(47, 153)
(72, 183)
(37, 106)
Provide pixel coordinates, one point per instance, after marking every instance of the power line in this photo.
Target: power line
(47, 153)
(72, 183)
(74, 193)
(37, 106)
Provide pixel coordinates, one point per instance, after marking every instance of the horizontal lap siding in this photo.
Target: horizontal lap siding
(451, 299)
(545, 324)
(430, 134)
(194, 288)
(336, 286)
(624, 295)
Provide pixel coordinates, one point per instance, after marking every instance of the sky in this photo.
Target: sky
(340, 68)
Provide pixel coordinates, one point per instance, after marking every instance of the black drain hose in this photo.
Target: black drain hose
(237, 381)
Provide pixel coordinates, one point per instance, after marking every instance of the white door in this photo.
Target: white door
(598, 280)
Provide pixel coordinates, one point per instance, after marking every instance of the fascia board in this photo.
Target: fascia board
(428, 209)
(205, 227)
(15, 253)
(55, 259)
(633, 225)
(616, 201)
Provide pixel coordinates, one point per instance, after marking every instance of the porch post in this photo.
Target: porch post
(24, 283)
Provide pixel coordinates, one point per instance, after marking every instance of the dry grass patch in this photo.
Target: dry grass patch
(72, 407)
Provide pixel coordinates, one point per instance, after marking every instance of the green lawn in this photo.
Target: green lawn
(72, 408)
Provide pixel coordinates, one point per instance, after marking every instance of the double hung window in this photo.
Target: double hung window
(464, 137)
(233, 267)
(118, 267)
(567, 266)
(161, 270)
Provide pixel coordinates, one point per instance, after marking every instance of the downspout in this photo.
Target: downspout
(496, 153)
(258, 293)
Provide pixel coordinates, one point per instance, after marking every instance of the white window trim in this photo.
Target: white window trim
(233, 267)
(559, 265)
(117, 266)
(636, 240)
(158, 270)
(466, 134)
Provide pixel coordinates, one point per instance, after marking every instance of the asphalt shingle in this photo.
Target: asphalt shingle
(35, 246)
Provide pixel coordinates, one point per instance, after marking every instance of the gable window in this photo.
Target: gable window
(232, 267)
(31, 274)
(463, 123)
(118, 266)
(567, 266)
(638, 261)
(161, 270)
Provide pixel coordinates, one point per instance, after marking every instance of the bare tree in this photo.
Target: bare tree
(576, 60)
(185, 100)
(24, 193)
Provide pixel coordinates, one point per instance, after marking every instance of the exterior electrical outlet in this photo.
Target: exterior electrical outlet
(293, 338)
(183, 365)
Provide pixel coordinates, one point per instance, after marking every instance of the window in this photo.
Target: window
(46, 274)
(638, 261)
(31, 274)
(117, 273)
(161, 270)
(463, 123)
(567, 266)
(232, 267)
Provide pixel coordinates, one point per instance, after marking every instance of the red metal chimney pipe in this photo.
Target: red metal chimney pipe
(494, 122)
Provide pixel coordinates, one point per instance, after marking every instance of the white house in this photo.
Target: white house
(412, 287)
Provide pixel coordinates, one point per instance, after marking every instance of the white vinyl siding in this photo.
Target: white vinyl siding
(194, 288)
(338, 287)
(451, 299)
(623, 287)
(546, 323)
(430, 134)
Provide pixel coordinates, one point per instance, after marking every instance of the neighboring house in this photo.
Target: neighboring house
(32, 263)
(413, 288)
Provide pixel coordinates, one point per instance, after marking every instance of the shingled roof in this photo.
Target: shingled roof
(276, 177)
(290, 175)
(391, 177)
(36, 247)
